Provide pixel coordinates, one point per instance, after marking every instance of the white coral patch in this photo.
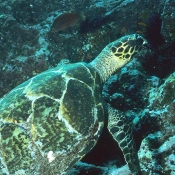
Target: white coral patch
(50, 156)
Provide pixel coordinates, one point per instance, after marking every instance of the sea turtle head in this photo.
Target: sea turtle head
(126, 47)
(116, 54)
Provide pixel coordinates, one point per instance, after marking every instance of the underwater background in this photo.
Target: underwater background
(36, 35)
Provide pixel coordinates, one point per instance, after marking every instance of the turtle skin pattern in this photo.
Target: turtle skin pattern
(50, 121)
(121, 128)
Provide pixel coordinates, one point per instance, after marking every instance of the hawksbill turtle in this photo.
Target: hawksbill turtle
(51, 121)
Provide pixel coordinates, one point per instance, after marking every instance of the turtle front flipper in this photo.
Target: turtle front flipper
(120, 128)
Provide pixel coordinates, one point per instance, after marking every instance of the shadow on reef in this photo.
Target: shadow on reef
(161, 63)
(93, 23)
(161, 60)
(104, 151)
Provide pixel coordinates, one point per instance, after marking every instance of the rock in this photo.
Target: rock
(168, 16)
(157, 149)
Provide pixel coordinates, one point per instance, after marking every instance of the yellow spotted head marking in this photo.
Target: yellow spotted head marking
(125, 47)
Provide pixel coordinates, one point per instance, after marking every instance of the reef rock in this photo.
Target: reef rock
(157, 149)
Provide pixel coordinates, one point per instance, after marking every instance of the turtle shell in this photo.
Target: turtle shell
(51, 121)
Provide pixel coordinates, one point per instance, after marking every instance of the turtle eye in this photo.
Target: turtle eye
(140, 41)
